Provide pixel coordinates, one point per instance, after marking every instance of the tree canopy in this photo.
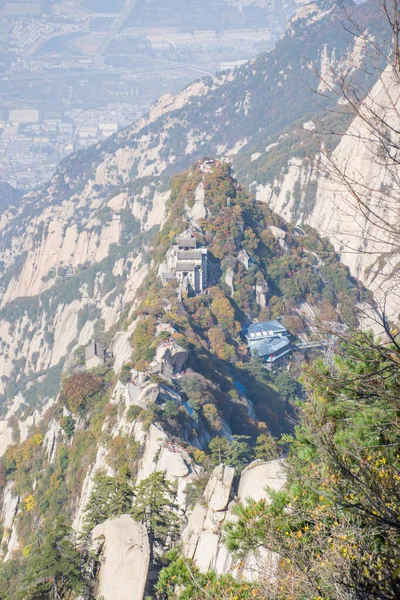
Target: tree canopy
(337, 523)
(155, 506)
(53, 568)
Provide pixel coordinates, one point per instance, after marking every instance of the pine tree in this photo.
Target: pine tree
(155, 506)
(110, 497)
(266, 447)
(220, 450)
(236, 453)
(240, 453)
(54, 566)
(336, 524)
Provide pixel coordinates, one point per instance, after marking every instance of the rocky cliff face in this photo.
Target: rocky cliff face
(202, 537)
(124, 548)
(350, 196)
(181, 377)
(79, 263)
(122, 544)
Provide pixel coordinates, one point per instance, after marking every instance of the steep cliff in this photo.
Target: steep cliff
(350, 195)
(202, 537)
(89, 257)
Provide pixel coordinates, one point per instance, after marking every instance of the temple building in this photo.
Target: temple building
(188, 264)
(269, 340)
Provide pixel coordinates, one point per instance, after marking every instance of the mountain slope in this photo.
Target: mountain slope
(86, 234)
(103, 435)
(350, 195)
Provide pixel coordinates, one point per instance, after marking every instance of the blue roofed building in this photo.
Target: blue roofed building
(268, 339)
(273, 349)
(265, 330)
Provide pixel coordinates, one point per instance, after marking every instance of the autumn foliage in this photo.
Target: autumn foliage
(78, 389)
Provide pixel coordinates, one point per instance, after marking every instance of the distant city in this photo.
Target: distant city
(73, 72)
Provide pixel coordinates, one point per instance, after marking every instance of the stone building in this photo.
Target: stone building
(191, 269)
(95, 355)
(188, 264)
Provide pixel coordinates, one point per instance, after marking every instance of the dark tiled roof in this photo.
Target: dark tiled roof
(185, 266)
(93, 350)
(268, 347)
(187, 242)
(190, 254)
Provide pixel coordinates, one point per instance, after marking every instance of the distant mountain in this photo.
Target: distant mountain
(235, 111)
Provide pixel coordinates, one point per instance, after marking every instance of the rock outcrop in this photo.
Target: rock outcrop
(158, 452)
(280, 235)
(351, 198)
(198, 210)
(71, 252)
(169, 356)
(260, 476)
(21, 427)
(124, 551)
(202, 537)
(9, 543)
(218, 490)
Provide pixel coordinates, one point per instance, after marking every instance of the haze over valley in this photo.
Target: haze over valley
(72, 73)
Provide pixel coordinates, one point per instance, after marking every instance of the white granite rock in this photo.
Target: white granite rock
(7, 518)
(258, 476)
(192, 531)
(218, 490)
(202, 538)
(125, 557)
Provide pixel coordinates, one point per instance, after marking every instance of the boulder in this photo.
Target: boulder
(170, 354)
(172, 463)
(148, 395)
(258, 476)
(192, 531)
(125, 557)
(218, 490)
(277, 232)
